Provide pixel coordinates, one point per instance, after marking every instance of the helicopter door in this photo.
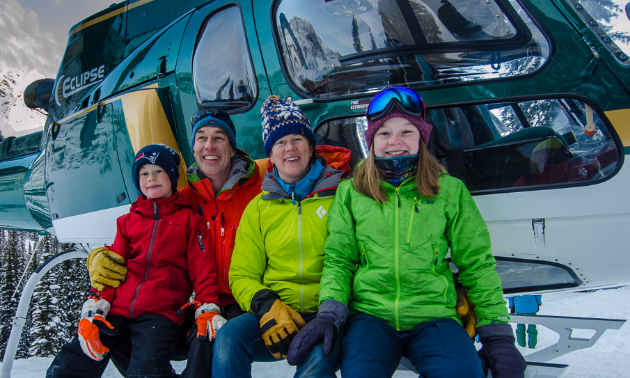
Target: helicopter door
(84, 183)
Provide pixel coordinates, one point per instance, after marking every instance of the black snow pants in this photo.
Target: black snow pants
(146, 343)
(200, 354)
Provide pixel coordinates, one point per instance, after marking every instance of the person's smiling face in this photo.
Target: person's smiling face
(213, 152)
(397, 137)
(291, 155)
(154, 182)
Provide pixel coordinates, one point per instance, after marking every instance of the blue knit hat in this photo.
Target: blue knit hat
(160, 155)
(281, 117)
(216, 118)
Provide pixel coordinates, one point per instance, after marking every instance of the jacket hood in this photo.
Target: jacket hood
(337, 165)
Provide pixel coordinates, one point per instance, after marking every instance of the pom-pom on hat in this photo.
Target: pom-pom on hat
(160, 155)
(216, 118)
(281, 117)
(423, 127)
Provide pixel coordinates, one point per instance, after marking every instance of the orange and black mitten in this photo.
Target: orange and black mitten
(209, 321)
(91, 325)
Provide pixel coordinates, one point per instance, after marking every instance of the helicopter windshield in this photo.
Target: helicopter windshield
(333, 48)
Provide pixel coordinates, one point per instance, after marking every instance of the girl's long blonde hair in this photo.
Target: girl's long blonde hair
(368, 177)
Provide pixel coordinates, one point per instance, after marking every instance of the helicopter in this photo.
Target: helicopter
(529, 102)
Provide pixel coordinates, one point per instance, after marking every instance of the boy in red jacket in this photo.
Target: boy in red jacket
(164, 243)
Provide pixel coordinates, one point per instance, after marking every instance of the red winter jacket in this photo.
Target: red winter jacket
(165, 244)
(222, 212)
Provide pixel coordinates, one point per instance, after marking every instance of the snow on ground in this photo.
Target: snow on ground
(607, 358)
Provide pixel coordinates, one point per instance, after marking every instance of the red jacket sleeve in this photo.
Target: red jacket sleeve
(122, 246)
(201, 262)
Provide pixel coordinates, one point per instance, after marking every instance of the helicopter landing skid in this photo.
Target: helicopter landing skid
(537, 363)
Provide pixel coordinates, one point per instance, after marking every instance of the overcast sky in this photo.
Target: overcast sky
(33, 33)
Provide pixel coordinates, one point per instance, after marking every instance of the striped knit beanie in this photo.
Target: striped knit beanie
(281, 117)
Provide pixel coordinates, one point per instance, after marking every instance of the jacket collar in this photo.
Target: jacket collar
(159, 208)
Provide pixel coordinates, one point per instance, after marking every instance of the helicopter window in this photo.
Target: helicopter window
(342, 47)
(610, 21)
(512, 145)
(524, 275)
(72, 51)
(222, 68)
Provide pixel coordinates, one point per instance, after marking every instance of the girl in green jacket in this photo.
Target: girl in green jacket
(390, 230)
(279, 252)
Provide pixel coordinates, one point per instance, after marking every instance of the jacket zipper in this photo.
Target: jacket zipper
(225, 273)
(299, 230)
(396, 261)
(415, 205)
(156, 217)
(362, 261)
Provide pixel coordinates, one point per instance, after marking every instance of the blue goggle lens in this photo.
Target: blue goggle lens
(408, 99)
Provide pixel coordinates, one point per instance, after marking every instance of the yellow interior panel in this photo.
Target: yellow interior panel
(620, 120)
(147, 124)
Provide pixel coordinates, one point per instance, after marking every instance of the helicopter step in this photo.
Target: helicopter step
(537, 363)
(565, 326)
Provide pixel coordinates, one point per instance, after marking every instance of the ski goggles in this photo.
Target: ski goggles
(404, 99)
(219, 114)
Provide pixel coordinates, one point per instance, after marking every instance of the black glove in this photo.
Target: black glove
(330, 318)
(512, 310)
(499, 353)
(279, 323)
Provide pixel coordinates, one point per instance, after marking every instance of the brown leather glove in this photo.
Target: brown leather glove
(106, 268)
(466, 312)
(279, 323)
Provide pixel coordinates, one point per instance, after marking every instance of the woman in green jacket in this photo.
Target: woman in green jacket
(390, 230)
(279, 252)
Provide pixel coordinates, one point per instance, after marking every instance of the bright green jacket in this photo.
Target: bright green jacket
(280, 245)
(390, 260)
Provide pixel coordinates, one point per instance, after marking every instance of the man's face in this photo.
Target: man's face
(213, 151)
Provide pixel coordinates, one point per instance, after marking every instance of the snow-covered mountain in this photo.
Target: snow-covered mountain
(308, 57)
(15, 118)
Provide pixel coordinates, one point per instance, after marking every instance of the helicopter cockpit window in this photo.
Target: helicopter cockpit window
(222, 68)
(511, 145)
(72, 51)
(332, 48)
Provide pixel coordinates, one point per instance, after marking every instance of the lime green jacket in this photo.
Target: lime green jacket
(390, 260)
(280, 246)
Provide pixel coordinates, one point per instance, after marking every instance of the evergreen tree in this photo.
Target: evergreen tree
(9, 276)
(25, 271)
(356, 41)
(372, 40)
(74, 283)
(47, 329)
(31, 262)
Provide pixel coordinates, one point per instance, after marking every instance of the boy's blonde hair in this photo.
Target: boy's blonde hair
(368, 177)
